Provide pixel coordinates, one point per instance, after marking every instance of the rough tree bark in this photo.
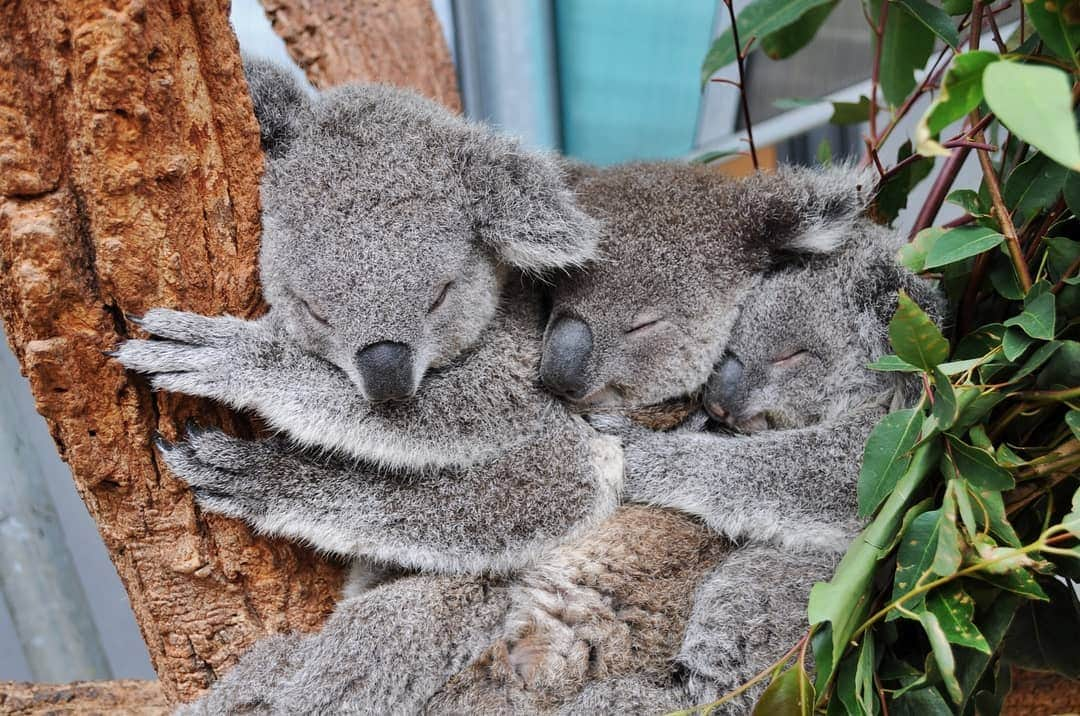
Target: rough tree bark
(393, 41)
(129, 168)
(136, 698)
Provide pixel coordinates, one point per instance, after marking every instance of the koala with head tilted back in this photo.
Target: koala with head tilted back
(594, 629)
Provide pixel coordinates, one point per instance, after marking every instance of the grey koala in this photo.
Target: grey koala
(793, 379)
(399, 355)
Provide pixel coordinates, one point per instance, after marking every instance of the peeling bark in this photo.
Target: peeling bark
(395, 41)
(129, 169)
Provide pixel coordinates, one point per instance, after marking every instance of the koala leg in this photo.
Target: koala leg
(747, 614)
(627, 695)
(384, 652)
(490, 517)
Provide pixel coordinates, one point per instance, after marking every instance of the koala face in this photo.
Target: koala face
(799, 350)
(681, 249)
(389, 226)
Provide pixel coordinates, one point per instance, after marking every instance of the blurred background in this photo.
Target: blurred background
(605, 81)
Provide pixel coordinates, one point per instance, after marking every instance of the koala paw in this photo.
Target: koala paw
(221, 471)
(196, 355)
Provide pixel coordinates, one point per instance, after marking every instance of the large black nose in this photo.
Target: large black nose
(566, 357)
(723, 388)
(387, 371)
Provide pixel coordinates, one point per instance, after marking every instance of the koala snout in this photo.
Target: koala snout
(723, 389)
(387, 371)
(564, 364)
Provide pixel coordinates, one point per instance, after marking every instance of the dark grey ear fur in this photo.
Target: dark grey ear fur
(523, 208)
(280, 104)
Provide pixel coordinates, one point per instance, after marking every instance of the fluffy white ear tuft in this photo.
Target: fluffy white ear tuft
(829, 201)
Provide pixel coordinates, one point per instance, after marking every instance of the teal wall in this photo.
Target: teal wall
(628, 76)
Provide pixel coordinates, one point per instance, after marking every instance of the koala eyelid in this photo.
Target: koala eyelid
(791, 359)
(642, 324)
(441, 297)
(311, 311)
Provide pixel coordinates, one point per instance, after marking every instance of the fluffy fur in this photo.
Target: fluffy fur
(781, 499)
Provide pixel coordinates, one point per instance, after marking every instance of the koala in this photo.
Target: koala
(779, 494)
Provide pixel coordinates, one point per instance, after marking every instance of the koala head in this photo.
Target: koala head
(798, 352)
(681, 248)
(389, 226)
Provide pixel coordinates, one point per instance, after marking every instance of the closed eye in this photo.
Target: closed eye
(441, 297)
(791, 359)
(319, 318)
(643, 324)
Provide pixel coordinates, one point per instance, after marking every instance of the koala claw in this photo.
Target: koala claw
(212, 464)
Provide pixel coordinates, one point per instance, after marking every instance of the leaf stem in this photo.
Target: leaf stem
(740, 58)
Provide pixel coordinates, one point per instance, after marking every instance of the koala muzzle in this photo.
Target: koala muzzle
(387, 371)
(723, 388)
(565, 361)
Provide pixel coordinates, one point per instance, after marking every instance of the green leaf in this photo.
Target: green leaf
(1063, 368)
(914, 337)
(865, 693)
(1040, 356)
(1018, 581)
(994, 506)
(956, 7)
(924, 702)
(1014, 343)
(996, 612)
(886, 457)
(948, 555)
(978, 466)
(1072, 193)
(939, 645)
(759, 19)
(960, 93)
(968, 200)
(790, 694)
(958, 244)
(915, 558)
(1061, 253)
(1038, 316)
(1072, 419)
(905, 50)
(891, 363)
(851, 112)
(1045, 636)
(1071, 521)
(1060, 35)
(789, 40)
(955, 612)
(934, 19)
(1035, 102)
(1034, 185)
(892, 196)
(913, 254)
(945, 409)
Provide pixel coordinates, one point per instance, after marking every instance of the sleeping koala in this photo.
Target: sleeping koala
(399, 354)
(781, 497)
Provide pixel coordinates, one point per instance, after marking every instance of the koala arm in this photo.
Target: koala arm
(747, 613)
(249, 365)
(491, 517)
(793, 487)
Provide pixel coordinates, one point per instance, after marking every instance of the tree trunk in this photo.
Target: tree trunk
(394, 41)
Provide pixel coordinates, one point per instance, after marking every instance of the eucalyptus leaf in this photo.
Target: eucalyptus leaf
(939, 645)
(786, 41)
(1034, 185)
(1015, 343)
(1035, 102)
(915, 558)
(851, 112)
(1072, 419)
(790, 694)
(913, 254)
(978, 466)
(1060, 35)
(891, 363)
(961, 92)
(955, 612)
(961, 243)
(1038, 317)
(935, 19)
(905, 49)
(886, 457)
(945, 409)
(914, 337)
(759, 19)
(968, 199)
(1044, 636)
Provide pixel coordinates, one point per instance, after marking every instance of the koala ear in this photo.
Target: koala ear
(814, 211)
(280, 104)
(523, 208)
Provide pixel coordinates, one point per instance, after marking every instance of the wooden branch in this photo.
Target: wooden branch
(398, 42)
(139, 698)
(129, 169)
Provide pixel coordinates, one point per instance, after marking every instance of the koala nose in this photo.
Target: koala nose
(723, 388)
(566, 357)
(387, 371)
